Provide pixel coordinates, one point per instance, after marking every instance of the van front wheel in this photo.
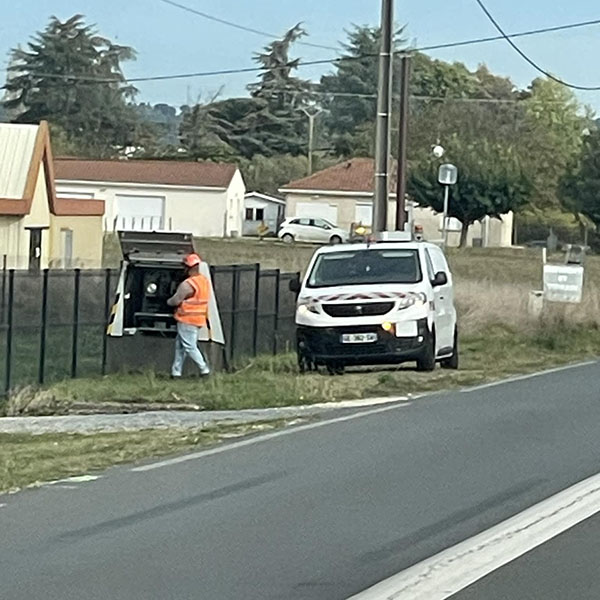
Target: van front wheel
(452, 361)
(426, 361)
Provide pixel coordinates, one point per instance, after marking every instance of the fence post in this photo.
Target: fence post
(256, 307)
(235, 292)
(9, 330)
(43, 323)
(276, 310)
(3, 296)
(107, 307)
(75, 338)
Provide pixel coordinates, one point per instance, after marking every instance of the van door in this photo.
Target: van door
(445, 314)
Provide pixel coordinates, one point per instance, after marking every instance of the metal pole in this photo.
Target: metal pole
(311, 134)
(256, 307)
(401, 216)
(9, 330)
(235, 292)
(276, 310)
(107, 307)
(445, 224)
(3, 296)
(75, 339)
(384, 109)
(43, 323)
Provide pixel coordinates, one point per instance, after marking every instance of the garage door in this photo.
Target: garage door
(317, 210)
(364, 214)
(140, 213)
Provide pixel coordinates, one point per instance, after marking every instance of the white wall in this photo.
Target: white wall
(235, 205)
(493, 232)
(198, 211)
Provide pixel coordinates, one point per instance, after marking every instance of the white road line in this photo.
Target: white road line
(265, 438)
(454, 569)
(529, 376)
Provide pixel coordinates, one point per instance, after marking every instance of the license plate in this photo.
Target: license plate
(359, 338)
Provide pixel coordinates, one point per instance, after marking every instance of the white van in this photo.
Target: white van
(378, 303)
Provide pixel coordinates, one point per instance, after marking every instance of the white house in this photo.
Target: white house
(262, 210)
(343, 194)
(204, 198)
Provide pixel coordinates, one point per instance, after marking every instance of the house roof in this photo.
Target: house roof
(266, 197)
(24, 149)
(355, 175)
(160, 172)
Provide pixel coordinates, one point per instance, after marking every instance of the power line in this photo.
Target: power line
(87, 79)
(529, 60)
(238, 26)
(495, 38)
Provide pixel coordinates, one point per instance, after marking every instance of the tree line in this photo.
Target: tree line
(534, 150)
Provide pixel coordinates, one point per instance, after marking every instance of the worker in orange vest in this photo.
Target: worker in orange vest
(191, 299)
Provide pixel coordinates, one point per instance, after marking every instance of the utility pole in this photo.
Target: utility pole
(401, 216)
(384, 109)
(311, 133)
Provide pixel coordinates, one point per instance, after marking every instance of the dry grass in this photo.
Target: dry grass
(27, 459)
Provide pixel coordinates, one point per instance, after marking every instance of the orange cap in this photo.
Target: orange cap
(192, 260)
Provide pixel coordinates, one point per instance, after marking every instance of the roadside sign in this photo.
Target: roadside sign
(563, 283)
(447, 174)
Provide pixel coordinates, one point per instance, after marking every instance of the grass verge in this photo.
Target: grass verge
(496, 352)
(27, 459)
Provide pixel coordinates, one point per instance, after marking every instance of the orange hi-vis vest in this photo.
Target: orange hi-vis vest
(194, 310)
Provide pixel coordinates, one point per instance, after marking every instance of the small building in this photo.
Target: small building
(343, 194)
(203, 198)
(262, 209)
(37, 228)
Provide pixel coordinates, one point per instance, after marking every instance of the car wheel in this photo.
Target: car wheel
(452, 361)
(287, 238)
(426, 361)
(335, 239)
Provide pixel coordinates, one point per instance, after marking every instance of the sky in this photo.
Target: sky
(170, 41)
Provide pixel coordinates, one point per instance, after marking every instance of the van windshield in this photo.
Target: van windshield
(364, 267)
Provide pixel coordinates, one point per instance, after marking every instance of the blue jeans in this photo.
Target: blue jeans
(186, 344)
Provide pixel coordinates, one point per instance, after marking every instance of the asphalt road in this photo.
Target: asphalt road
(319, 513)
(567, 567)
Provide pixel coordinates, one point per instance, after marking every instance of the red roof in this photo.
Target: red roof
(198, 174)
(82, 207)
(354, 175)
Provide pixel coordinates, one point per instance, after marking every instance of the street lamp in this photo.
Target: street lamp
(447, 176)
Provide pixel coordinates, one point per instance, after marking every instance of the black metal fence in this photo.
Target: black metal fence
(53, 323)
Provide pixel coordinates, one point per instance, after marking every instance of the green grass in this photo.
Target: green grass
(27, 459)
(274, 381)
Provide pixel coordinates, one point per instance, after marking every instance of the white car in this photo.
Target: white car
(378, 303)
(307, 229)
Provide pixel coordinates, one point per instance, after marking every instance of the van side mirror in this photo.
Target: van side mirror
(440, 279)
(294, 285)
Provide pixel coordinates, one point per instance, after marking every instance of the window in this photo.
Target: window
(363, 267)
(321, 223)
(430, 269)
(249, 214)
(305, 222)
(260, 214)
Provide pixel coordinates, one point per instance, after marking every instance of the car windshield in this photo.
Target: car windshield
(360, 267)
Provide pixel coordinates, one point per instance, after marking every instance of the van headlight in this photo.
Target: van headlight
(308, 307)
(151, 289)
(412, 299)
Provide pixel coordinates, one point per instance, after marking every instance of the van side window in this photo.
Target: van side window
(430, 270)
(439, 261)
